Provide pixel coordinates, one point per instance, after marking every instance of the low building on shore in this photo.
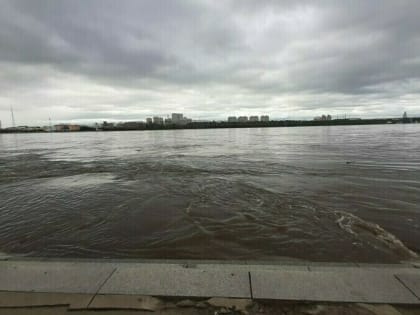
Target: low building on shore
(131, 125)
(265, 118)
(107, 125)
(25, 128)
(323, 118)
(66, 127)
(253, 118)
(243, 119)
(232, 119)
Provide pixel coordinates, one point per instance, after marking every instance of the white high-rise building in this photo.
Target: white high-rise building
(177, 118)
(158, 120)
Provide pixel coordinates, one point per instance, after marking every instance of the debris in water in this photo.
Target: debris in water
(371, 231)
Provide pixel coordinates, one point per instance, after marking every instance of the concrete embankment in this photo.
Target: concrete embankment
(158, 286)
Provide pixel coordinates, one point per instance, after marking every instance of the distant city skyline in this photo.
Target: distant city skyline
(87, 61)
(164, 117)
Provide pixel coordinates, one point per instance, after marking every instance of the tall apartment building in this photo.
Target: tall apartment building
(158, 120)
(177, 118)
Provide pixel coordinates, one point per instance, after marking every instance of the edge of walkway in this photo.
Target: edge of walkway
(87, 281)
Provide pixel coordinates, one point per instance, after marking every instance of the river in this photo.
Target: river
(334, 193)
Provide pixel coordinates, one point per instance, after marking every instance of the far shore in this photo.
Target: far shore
(223, 124)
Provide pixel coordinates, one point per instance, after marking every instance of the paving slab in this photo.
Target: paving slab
(412, 282)
(334, 286)
(173, 280)
(53, 277)
(31, 299)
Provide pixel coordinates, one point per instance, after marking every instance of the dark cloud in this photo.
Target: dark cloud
(122, 58)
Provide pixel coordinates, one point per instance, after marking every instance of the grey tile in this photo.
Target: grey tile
(55, 277)
(411, 281)
(172, 280)
(353, 285)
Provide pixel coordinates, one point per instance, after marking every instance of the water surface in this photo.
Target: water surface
(340, 193)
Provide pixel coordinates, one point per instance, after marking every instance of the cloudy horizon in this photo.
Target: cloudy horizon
(95, 60)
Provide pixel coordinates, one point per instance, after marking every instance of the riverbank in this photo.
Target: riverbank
(194, 287)
(60, 304)
(222, 124)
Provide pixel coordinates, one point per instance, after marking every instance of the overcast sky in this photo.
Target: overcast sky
(84, 60)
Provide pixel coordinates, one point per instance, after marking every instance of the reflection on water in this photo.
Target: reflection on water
(318, 193)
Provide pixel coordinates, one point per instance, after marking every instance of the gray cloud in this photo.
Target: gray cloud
(100, 58)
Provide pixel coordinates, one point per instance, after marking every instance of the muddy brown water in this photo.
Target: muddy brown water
(340, 193)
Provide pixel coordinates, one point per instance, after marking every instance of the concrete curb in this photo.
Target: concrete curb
(390, 284)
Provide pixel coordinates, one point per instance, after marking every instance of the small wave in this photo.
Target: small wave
(371, 231)
(80, 181)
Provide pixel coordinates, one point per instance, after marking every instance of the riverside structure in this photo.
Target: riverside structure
(158, 123)
(102, 284)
